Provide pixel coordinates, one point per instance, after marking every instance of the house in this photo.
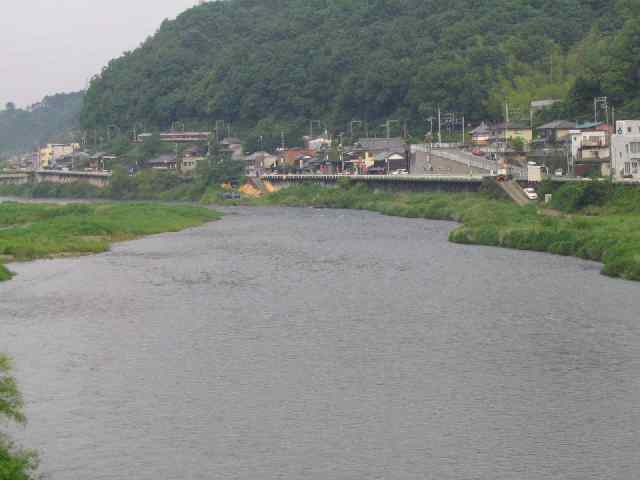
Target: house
(233, 146)
(368, 149)
(167, 161)
(589, 150)
(261, 161)
(557, 131)
(191, 157)
(390, 161)
(625, 150)
(317, 143)
(512, 131)
(295, 157)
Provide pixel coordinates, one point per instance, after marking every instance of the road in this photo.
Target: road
(441, 165)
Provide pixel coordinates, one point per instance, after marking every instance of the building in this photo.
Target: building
(262, 161)
(557, 131)
(49, 155)
(625, 150)
(486, 134)
(513, 131)
(191, 157)
(390, 161)
(371, 150)
(589, 151)
(296, 157)
(317, 143)
(482, 135)
(177, 137)
(167, 161)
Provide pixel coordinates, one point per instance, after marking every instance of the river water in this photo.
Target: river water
(309, 344)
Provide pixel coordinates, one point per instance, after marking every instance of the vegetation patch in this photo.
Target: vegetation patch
(604, 225)
(30, 231)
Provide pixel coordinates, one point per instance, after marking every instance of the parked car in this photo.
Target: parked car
(477, 152)
(531, 193)
(558, 172)
(400, 171)
(230, 196)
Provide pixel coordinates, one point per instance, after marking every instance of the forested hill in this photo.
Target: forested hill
(337, 60)
(51, 119)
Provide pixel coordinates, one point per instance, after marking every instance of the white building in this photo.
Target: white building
(625, 150)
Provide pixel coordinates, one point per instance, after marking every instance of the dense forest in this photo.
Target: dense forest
(53, 118)
(260, 62)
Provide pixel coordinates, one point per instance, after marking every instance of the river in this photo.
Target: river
(315, 344)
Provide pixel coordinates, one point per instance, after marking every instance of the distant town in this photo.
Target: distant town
(560, 148)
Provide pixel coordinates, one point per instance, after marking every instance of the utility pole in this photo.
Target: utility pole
(439, 126)
(354, 122)
(463, 138)
(311, 124)
(341, 151)
(430, 120)
(387, 125)
(506, 125)
(218, 122)
(604, 104)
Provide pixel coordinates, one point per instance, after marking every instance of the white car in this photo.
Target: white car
(530, 193)
(401, 171)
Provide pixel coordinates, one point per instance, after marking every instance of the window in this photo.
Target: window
(634, 147)
(627, 168)
(634, 167)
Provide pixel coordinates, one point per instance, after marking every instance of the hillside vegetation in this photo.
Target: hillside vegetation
(257, 62)
(52, 119)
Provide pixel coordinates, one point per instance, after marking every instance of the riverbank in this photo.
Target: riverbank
(32, 231)
(605, 229)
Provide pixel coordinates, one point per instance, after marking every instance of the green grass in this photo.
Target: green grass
(30, 231)
(608, 232)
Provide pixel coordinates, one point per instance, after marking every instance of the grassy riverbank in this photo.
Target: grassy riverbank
(30, 231)
(605, 228)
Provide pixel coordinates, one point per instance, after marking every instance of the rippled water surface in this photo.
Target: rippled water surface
(310, 344)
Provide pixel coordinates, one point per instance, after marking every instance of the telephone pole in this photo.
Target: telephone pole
(439, 126)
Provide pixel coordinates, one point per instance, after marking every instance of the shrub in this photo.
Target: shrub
(577, 196)
(4, 273)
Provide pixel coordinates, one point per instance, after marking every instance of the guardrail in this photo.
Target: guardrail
(376, 178)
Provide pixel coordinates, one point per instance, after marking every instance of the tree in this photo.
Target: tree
(517, 143)
(15, 464)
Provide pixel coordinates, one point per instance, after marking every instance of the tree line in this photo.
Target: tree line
(54, 117)
(253, 62)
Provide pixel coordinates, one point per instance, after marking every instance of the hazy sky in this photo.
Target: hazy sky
(51, 46)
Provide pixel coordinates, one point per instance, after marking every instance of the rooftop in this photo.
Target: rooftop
(558, 125)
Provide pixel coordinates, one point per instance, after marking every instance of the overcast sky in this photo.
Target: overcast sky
(51, 46)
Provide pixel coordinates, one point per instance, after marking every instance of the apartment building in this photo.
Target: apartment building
(625, 150)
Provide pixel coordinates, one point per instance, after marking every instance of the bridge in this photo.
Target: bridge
(469, 160)
(456, 183)
(97, 179)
